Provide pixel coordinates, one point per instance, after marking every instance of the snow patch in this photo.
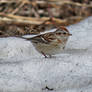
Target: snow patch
(23, 69)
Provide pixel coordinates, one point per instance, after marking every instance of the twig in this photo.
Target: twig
(52, 2)
(13, 1)
(60, 2)
(9, 18)
(17, 8)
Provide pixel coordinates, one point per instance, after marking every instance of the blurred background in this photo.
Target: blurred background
(20, 17)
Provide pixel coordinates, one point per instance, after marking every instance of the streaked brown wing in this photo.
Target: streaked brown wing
(49, 36)
(44, 38)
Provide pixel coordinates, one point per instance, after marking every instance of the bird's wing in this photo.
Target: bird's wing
(43, 38)
(38, 39)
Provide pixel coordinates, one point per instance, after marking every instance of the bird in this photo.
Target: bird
(51, 43)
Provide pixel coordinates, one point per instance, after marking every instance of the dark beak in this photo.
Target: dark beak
(70, 34)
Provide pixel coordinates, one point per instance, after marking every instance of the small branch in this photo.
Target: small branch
(52, 2)
(28, 20)
(8, 1)
(13, 1)
(35, 12)
(17, 8)
(60, 2)
(13, 19)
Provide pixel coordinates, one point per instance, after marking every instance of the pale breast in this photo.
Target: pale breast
(49, 49)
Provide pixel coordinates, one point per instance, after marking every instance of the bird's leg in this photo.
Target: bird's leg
(50, 56)
(44, 54)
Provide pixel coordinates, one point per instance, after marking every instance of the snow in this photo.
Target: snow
(23, 69)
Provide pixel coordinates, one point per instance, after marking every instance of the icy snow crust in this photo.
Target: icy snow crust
(23, 69)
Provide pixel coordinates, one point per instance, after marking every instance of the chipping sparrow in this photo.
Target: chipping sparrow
(51, 43)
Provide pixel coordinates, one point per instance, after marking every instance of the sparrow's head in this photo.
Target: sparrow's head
(62, 31)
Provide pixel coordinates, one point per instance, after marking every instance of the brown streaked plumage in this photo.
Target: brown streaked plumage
(52, 42)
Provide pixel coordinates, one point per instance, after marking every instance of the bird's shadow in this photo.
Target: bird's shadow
(66, 51)
(74, 51)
